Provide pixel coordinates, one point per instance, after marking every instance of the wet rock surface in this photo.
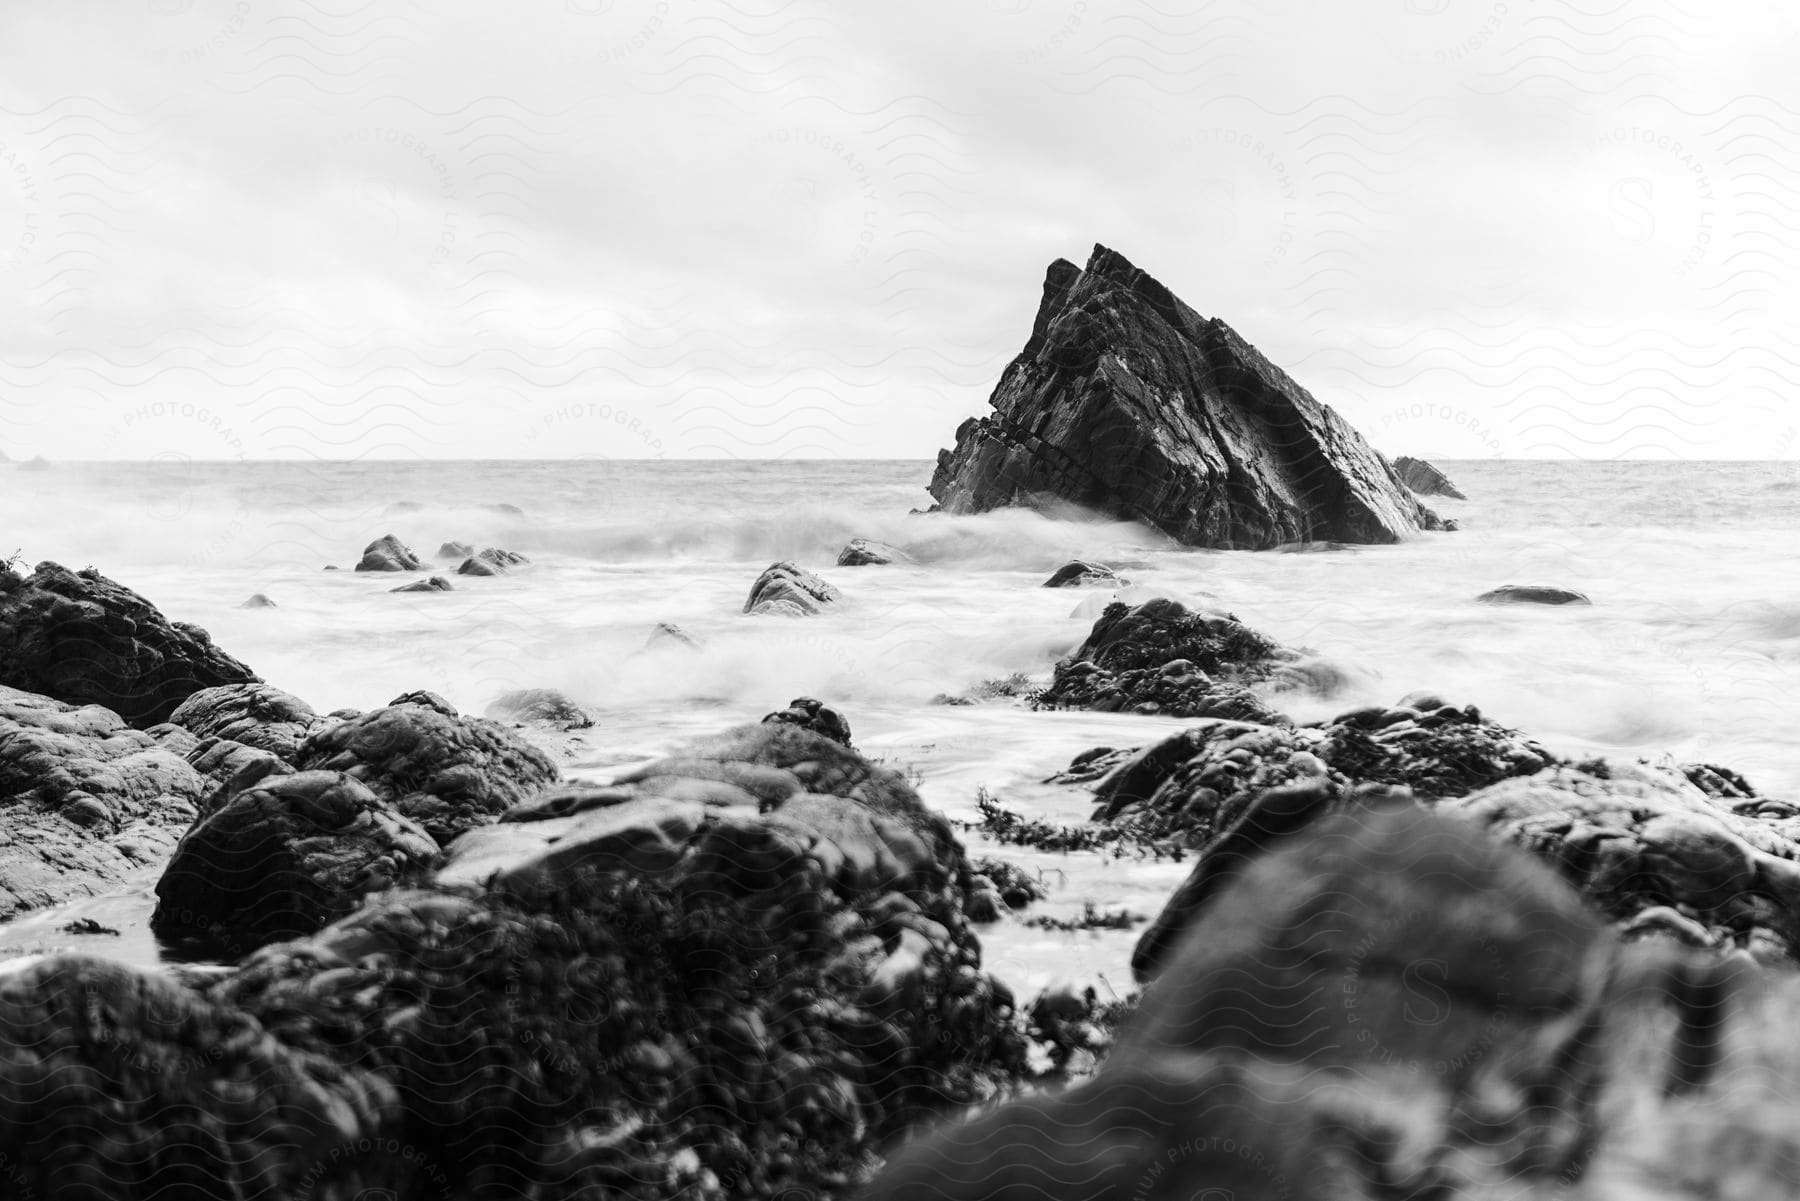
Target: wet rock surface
(1127, 402)
(786, 590)
(436, 583)
(1425, 479)
(539, 706)
(1532, 594)
(820, 718)
(1078, 573)
(81, 638)
(1161, 657)
(865, 552)
(670, 999)
(256, 715)
(444, 771)
(388, 553)
(491, 560)
(283, 857)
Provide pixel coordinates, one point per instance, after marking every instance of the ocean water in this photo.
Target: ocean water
(1691, 648)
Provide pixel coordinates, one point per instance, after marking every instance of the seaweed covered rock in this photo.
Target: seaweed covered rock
(85, 801)
(1159, 657)
(1078, 573)
(81, 638)
(816, 716)
(442, 770)
(789, 591)
(174, 1094)
(491, 560)
(388, 553)
(1652, 850)
(282, 858)
(864, 552)
(539, 706)
(1127, 402)
(1425, 479)
(256, 715)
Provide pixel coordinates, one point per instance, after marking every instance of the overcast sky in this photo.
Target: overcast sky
(642, 228)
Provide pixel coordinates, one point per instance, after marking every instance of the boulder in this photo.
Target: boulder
(1425, 479)
(491, 560)
(1158, 657)
(816, 716)
(455, 550)
(85, 801)
(436, 583)
(446, 772)
(259, 601)
(1532, 594)
(256, 715)
(388, 553)
(863, 552)
(1077, 573)
(786, 590)
(666, 634)
(541, 707)
(281, 859)
(1126, 402)
(81, 638)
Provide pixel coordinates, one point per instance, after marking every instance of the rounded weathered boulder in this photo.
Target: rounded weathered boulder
(455, 550)
(820, 718)
(1078, 573)
(866, 552)
(81, 638)
(388, 553)
(791, 591)
(491, 560)
(1533, 594)
(436, 583)
(257, 715)
(282, 859)
(539, 706)
(447, 772)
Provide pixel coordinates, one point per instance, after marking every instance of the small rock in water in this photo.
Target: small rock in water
(455, 550)
(1532, 594)
(541, 706)
(436, 583)
(1425, 479)
(259, 601)
(816, 716)
(667, 633)
(1078, 573)
(864, 552)
(388, 553)
(789, 591)
(86, 925)
(491, 561)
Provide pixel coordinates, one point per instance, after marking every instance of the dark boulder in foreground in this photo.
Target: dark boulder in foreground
(491, 560)
(1128, 403)
(388, 553)
(447, 772)
(1288, 1048)
(539, 706)
(281, 859)
(668, 1000)
(1159, 657)
(256, 715)
(84, 800)
(1078, 573)
(1425, 479)
(1532, 594)
(436, 583)
(864, 552)
(81, 638)
(816, 716)
(789, 591)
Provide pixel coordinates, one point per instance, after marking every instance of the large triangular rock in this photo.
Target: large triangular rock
(1127, 402)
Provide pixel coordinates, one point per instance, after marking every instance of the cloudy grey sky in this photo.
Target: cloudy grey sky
(764, 228)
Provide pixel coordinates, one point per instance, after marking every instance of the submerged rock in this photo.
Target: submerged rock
(455, 550)
(491, 560)
(256, 715)
(446, 772)
(816, 716)
(1158, 657)
(1127, 402)
(667, 633)
(388, 553)
(281, 859)
(259, 601)
(84, 800)
(81, 638)
(540, 706)
(1532, 594)
(1425, 479)
(789, 591)
(1080, 574)
(864, 552)
(436, 583)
